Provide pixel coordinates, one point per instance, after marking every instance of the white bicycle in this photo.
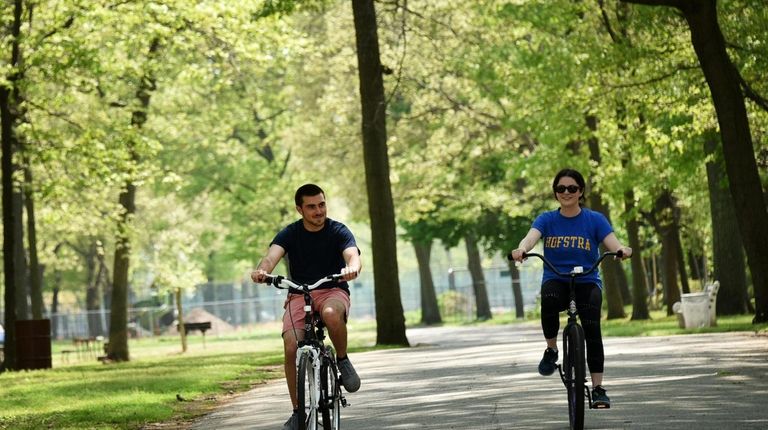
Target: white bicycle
(318, 382)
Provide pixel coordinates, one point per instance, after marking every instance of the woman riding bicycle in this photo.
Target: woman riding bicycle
(572, 235)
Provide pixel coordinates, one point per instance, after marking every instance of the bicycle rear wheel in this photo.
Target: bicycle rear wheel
(575, 373)
(331, 393)
(307, 392)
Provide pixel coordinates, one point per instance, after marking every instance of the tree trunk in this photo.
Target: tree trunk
(663, 220)
(430, 311)
(92, 288)
(9, 98)
(681, 261)
(118, 318)
(118, 323)
(390, 319)
(639, 285)
(20, 255)
(727, 254)
(738, 151)
(517, 290)
(483, 306)
(35, 271)
(615, 280)
(180, 312)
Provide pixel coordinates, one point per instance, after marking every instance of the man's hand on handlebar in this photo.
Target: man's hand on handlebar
(259, 276)
(349, 273)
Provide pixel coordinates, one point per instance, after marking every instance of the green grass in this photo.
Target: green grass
(86, 394)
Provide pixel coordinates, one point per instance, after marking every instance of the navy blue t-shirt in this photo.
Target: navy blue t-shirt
(314, 255)
(571, 242)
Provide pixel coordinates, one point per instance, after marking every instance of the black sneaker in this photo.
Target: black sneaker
(548, 362)
(349, 378)
(600, 399)
(292, 423)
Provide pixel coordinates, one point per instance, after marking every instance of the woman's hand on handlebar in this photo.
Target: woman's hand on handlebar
(624, 253)
(517, 255)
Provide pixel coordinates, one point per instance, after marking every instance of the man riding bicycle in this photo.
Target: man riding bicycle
(315, 246)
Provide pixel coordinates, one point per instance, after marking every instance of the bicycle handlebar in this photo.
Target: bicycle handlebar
(292, 286)
(573, 273)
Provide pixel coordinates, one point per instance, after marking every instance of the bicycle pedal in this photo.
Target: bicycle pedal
(344, 403)
(599, 406)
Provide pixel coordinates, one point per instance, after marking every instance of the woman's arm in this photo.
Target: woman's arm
(527, 244)
(612, 244)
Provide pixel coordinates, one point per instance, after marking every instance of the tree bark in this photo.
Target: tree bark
(639, 285)
(118, 323)
(517, 291)
(615, 279)
(727, 246)
(20, 255)
(390, 319)
(8, 122)
(430, 311)
(663, 220)
(738, 151)
(35, 271)
(482, 305)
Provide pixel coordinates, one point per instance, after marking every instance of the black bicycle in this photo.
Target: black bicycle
(318, 382)
(573, 369)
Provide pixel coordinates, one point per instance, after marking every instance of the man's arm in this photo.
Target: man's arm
(354, 264)
(268, 263)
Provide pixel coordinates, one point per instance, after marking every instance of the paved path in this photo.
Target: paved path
(484, 378)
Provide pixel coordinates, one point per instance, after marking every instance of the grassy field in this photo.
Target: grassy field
(85, 394)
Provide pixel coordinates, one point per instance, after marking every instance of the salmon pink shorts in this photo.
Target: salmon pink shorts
(293, 318)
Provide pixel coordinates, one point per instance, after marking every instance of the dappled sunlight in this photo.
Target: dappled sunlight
(486, 378)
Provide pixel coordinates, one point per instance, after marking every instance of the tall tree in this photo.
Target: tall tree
(727, 245)
(390, 327)
(9, 99)
(430, 311)
(727, 89)
(474, 263)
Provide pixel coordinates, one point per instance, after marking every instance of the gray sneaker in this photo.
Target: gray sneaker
(349, 378)
(292, 423)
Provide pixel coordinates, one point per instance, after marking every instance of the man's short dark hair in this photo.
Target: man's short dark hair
(307, 190)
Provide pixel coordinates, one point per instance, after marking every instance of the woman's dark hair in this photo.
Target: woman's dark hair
(573, 174)
(307, 190)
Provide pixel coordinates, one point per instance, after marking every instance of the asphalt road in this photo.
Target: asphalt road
(485, 378)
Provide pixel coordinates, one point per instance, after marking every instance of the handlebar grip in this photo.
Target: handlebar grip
(620, 254)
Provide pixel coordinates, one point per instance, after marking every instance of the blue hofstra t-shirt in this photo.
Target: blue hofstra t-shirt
(571, 242)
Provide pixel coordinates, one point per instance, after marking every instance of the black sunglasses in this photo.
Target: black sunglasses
(573, 189)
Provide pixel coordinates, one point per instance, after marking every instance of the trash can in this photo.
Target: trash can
(33, 344)
(696, 310)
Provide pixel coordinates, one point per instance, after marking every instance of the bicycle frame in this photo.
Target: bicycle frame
(325, 396)
(574, 375)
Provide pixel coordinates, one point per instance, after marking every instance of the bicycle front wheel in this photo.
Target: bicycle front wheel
(574, 368)
(307, 393)
(331, 393)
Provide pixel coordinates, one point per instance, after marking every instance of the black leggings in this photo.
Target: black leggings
(589, 298)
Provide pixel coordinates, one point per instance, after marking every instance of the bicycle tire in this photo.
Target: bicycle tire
(574, 367)
(331, 393)
(306, 392)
